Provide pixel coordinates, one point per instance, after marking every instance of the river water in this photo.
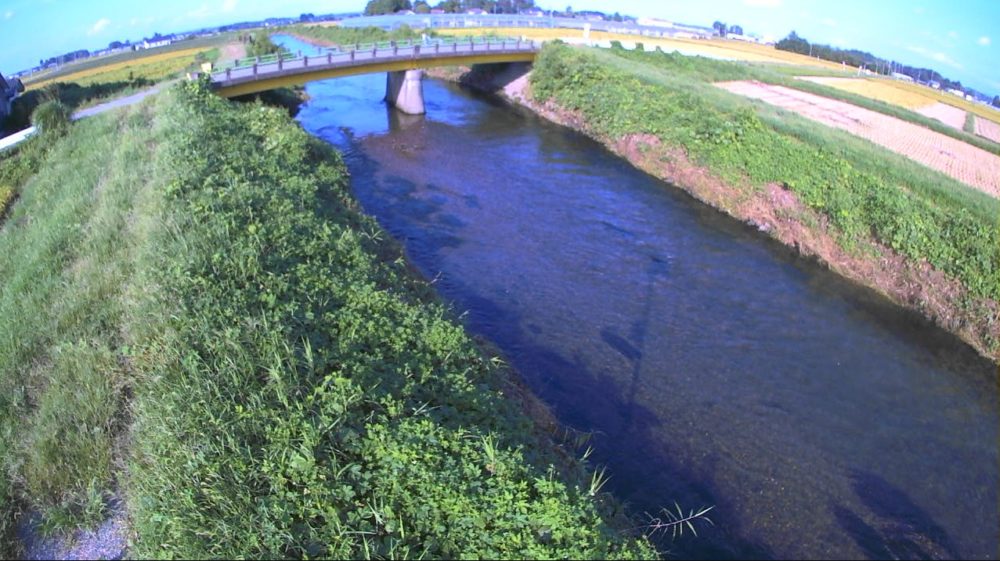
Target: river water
(712, 366)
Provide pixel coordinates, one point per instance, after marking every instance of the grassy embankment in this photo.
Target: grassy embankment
(864, 192)
(772, 66)
(200, 319)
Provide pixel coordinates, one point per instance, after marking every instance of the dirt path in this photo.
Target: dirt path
(231, 52)
(966, 163)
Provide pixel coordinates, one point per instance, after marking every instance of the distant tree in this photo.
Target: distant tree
(735, 30)
(793, 43)
(996, 101)
(720, 28)
(449, 6)
(569, 11)
(421, 7)
(379, 7)
(260, 44)
(307, 17)
(616, 17)
(115, 45)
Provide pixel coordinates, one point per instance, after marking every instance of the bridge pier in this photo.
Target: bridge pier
(404, 91)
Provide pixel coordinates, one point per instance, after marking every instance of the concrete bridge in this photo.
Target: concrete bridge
(403, 62)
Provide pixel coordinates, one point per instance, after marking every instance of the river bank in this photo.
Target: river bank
(774, 210)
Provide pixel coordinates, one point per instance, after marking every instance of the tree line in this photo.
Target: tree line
(856, 58)
(379, 7)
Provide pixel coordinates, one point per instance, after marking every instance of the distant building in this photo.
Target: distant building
(901, 76)
(958, 92)
(147, 44)
(476, 12)
(533, 12)
(653, 22)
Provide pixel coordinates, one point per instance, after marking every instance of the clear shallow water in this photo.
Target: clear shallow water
(712, 366)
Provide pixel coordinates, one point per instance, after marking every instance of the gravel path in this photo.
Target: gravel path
(966, 163)
(107, 541)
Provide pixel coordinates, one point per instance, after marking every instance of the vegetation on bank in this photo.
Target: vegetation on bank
(208, 326)
(260, 44)
(357, 35)
(864, 190)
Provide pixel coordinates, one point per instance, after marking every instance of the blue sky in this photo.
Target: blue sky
(959, 38)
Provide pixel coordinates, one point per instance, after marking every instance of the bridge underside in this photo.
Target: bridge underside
(298, 78)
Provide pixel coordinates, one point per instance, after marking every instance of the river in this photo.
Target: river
(712, 365)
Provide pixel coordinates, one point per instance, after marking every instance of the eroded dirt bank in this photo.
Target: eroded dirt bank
(777, 212)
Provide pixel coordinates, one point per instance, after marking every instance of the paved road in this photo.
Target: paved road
(20, 136)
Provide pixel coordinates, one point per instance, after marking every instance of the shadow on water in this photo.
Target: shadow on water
(895, 527)
(899, 528)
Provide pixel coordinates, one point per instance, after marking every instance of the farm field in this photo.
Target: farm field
(130, 57)
(947, 114)
(154, 67)
(937, 95)
(988, 129)
(961, 161)
(875, 89)
(733, 50)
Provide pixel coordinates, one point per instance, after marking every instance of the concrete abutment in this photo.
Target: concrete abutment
(404, 91)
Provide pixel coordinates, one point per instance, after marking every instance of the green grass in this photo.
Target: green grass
(207, 325)
(970, 123)
(306, 396)
(864, 189)
(64, 262)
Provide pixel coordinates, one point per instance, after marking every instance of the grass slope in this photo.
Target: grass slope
(207, 325)
(65, 258)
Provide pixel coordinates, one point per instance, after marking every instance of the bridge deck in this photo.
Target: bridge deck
(275, 72)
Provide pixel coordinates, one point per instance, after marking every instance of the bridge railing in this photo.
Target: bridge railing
(365, 51)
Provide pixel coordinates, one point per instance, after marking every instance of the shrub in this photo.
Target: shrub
(51, 118)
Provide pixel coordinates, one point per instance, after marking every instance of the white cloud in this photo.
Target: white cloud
(953, 34)
(829, 22)
(919, 10)
(207, 10)
(937, 56)
(203, 11)
(99, 26)
(8, 14)
(984, 41)
(762, 3)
